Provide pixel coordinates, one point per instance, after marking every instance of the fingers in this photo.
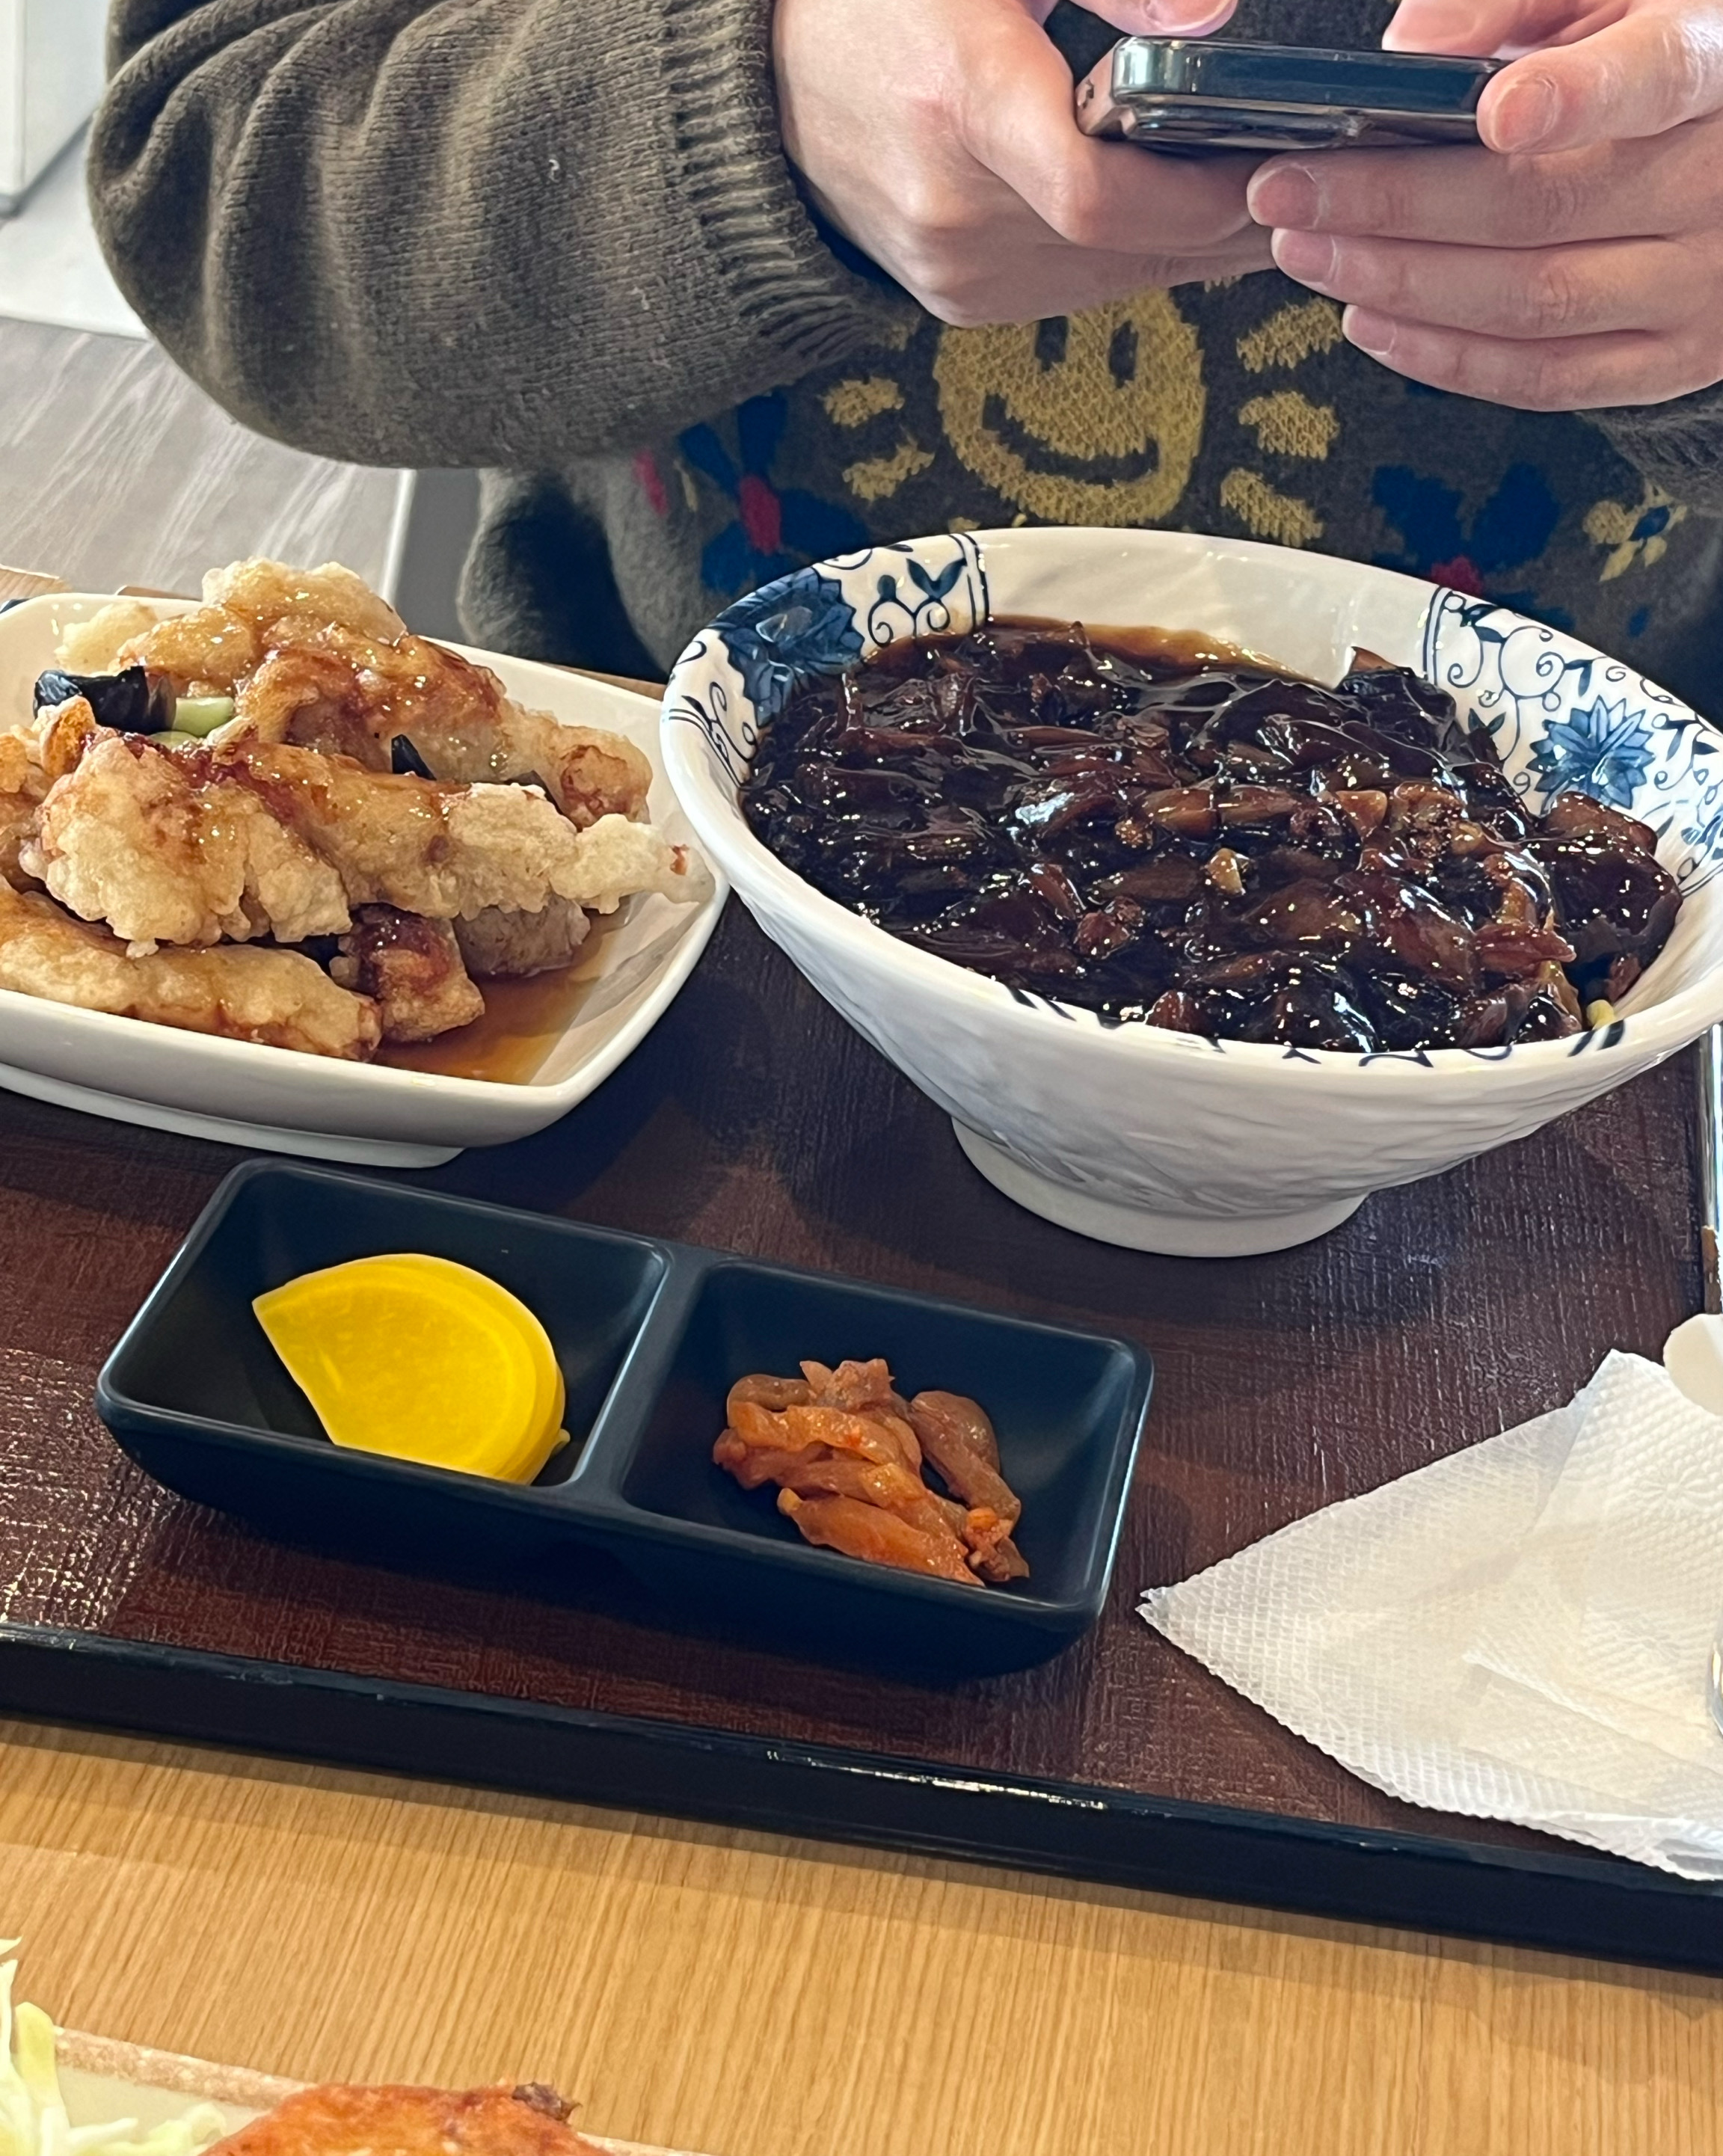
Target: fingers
(1167, 18)
(1160, 18)
(1045, 277)
(1477, 27)
(1563, 374)
(1053, 280)
(1557, 292)
(1016, 119)
(1473, 198)
(1640, 76)
(1605, 72)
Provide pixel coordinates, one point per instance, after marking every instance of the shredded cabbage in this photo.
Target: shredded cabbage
(32, 2112)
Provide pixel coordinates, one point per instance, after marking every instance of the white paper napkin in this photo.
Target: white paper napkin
(1522, 1630)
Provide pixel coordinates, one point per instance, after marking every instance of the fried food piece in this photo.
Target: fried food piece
(500, 945)
(587, 771)
(871, 1532)
(278, 998)
(59, 736)
(190, 845)
(329, 686)
(616, 859)
(309, 700)
(338, 2120)
(215, 647)
(151, 843)
(274, 595)
(94, 646)
(22, 787)
(412, 969)
(316, 659)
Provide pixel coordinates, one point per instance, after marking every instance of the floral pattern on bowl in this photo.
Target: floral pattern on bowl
(1566, 720)
(823, 620)
(1167, 1141)
(1563, 718)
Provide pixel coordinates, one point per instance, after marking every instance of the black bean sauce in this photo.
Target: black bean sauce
(1216, 848)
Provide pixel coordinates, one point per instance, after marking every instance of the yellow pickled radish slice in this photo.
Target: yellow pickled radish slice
(424, 1359)
(547, 1433)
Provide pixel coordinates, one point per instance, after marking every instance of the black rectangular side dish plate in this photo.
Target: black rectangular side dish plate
(650, 1337)
(1559, 1900)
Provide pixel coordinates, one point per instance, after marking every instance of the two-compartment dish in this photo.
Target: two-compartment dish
(650, 1337)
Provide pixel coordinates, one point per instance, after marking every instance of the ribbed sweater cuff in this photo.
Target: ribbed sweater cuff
(1678, 446)
(790, 290)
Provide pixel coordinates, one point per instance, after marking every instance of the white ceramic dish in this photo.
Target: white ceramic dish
(102, 2080)
(1162, 1141)
(271, 1099)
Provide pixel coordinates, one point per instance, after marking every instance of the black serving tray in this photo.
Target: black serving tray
(754, 1118)
(650, 1335)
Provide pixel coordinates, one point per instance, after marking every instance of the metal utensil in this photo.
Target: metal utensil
(1710, 1234)
(1710, 1167)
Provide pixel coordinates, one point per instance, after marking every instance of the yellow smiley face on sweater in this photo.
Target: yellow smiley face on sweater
(1091, 418)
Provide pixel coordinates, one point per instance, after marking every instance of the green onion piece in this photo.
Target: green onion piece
(175, 738)
(199, 716)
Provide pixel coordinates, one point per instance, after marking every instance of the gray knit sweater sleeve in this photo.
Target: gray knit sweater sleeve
(464, 232)
(1678, 447)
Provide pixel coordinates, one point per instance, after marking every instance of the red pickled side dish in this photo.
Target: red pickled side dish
(1221, 851)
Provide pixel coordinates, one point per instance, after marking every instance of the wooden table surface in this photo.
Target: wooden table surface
(746, 1996)
(119, 469)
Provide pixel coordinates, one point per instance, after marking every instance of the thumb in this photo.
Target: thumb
(1164, 18)
(1645, 73)
(1478, 27)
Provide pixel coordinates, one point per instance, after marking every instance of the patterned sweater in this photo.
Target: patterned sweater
(558, 240)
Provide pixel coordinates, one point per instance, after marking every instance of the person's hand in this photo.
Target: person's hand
(940, 139)
(1578, 261)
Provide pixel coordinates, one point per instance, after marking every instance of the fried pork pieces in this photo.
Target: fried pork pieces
(370, 787)
(240, 992)
(206, 844)
(316, 659)
(342, 2120)
(847, 1453)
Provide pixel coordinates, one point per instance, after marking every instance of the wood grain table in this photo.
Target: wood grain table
(117, 468)
(752, 1997)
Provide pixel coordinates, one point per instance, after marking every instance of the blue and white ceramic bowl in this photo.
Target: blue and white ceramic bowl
(1162, 1141)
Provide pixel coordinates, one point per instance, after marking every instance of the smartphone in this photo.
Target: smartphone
(1192, 94)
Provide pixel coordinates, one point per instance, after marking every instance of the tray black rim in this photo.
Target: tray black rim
(1547, 1900)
